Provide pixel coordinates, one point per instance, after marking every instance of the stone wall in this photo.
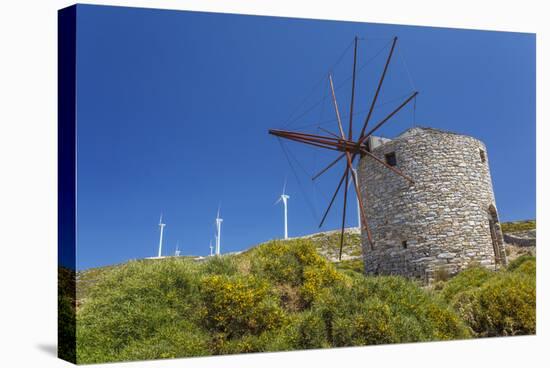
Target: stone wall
(527, 238)
(442, 222)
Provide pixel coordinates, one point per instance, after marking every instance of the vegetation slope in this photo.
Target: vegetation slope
(284, 295)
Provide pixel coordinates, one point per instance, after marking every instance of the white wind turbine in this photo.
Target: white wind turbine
(219, 221)
(211, 247)
(161, 226)
(177, 253)
(284, 198)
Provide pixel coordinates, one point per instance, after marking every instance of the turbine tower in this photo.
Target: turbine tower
(284, 198)
(177, 253)
(219, 221)
(161, 226)
(211, 247)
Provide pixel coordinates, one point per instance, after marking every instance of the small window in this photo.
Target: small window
(391, 159)
(404, 244)
(482, 155)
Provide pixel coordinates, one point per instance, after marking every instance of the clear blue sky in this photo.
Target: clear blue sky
(173, 111)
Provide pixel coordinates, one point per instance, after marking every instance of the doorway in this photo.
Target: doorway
(496, 237)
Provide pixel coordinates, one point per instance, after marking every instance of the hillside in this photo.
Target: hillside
(284, 295)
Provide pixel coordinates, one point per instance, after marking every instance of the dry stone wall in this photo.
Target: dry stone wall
(442, 222)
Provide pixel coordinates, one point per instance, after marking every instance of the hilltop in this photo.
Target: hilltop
(327, 244)
(285, 295)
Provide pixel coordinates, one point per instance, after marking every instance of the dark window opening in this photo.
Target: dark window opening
(391, 159)
(482, 155)
(404, 244)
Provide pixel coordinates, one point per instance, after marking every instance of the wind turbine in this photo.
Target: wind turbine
(211, 247)
(161, 226)
(219, 221)
(284, 198)
(177, 253)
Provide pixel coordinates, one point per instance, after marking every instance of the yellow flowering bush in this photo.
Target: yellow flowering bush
(499, 303)
(239, 305)
(296, 263)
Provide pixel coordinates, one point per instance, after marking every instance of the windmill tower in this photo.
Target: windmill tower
(219, 221)
(161, 226)
(177, 252)
(445, 219)
(284, 198)
(211, 248)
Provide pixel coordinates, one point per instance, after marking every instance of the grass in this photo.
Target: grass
(279, 296)
(284, 295)
(511, 227)
(499, 303)
(328, 244)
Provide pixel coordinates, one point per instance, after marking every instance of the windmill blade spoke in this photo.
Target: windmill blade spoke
(329, 166)
(392, 168)
(336, 107)
(314, 143)
(361, 204)
(378, 88)
(329, 132)
(350, 131)
(344, 216)
(295, 134)
(388, 117)
(333, 197)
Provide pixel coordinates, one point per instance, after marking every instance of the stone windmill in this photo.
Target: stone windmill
(445, 218)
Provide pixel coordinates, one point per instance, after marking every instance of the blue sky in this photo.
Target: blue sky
(173, 110)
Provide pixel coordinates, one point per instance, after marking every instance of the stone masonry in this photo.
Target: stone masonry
(443, 222)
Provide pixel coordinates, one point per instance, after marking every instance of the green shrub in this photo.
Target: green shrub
(371, 324)
(132, 303)
(181, 339)
(386, 309)
(496, 303)
(277, 261)
(239, 305)
(221, 265)
(311, 331)
(528, 267)
(355, 265)
(518, 263)
(281, 339)
(468, 279)
(504, 305)
(295, 263)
